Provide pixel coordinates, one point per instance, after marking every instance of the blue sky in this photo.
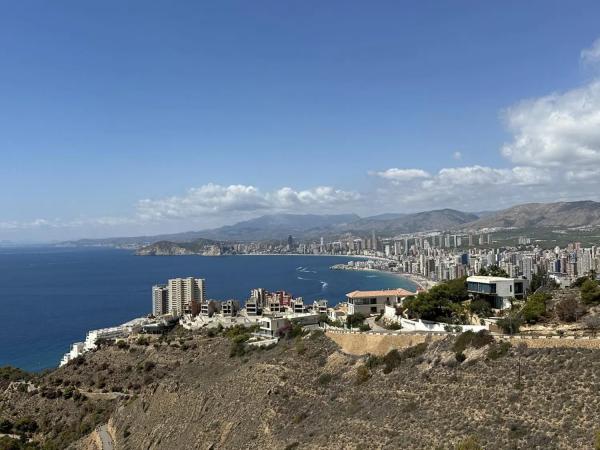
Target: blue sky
(143, 117)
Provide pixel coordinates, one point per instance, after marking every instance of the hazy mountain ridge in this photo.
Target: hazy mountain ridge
(277, 227)
(543, 215)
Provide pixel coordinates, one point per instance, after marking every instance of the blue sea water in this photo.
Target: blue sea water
(50, 297)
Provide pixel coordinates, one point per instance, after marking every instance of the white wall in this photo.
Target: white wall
(419, 325)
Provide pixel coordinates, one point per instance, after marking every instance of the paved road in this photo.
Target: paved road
(374, 326)
(106, 438)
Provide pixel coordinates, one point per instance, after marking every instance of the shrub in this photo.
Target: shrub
(510, 324)
(497, 350)
(590, 292)
(8, 443)
(470, 443)
(535, 307)
(149, 365)
(460, 356)
(592, 323)
(300, 347)
(471, 339)
(122, 345)
(5, 426)
(394, 326)
(237, 349)
(324, 379)
(26, 425)
(391, 360)
(355, 320)
(364, 327)
(10, 373)
(569, 309)
(362, 375)
(481, 307)
(142, 340)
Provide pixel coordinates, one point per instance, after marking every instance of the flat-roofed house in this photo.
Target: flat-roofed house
(374, 302)
(498, 290)
(230, 308)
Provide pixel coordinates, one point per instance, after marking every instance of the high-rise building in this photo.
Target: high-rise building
(374, 243)
(290, 243)
(184, 291)
(160, 300)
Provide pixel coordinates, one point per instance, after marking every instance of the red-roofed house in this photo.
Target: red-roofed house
(374, 302)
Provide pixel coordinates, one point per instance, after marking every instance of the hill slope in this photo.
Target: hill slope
(185, 391)
(532, 215)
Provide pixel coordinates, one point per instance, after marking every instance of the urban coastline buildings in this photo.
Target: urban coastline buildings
(185, 294)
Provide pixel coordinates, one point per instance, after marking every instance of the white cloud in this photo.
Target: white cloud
(474, 175)
(214, 199)
(591, 56)
(399, 175)
(457, 156)
(558, 130)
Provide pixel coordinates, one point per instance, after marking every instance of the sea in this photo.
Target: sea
(50, 297)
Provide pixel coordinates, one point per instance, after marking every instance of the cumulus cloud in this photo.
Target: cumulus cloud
(398, 175)
(591, 56)
(216, 199)
(558, 130)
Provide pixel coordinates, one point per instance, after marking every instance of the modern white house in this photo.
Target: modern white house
(374, 302)
(497, 290)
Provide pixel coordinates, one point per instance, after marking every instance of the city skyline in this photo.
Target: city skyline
(121, 121)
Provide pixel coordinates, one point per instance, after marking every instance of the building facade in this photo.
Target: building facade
(374, 302)
(184, 291)
(160, 300)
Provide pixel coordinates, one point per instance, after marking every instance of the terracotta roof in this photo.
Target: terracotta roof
(380, 293)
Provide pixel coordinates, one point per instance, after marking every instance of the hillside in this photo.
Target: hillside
(186, 391)
(541, 215)
(442, 219)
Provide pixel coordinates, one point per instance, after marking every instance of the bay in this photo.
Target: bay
(50, 297)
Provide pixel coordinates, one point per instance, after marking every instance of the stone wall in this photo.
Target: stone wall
(355, 343)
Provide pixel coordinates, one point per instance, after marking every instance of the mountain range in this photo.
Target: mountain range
(313, 226)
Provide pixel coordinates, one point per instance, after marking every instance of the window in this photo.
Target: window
(373, 309)
(373, 301)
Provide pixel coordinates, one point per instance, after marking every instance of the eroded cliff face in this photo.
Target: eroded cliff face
(185, 391)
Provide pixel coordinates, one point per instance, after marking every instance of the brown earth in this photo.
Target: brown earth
(307, 393)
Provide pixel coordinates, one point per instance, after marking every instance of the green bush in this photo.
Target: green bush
(510, 324)
(535, 307)
(355, 320)
(10, 373)
(5, 426)
(569, 309)
(442, 303)
(590, 292)
(480, 307)
(471, 339)
(324, 379)
(498, 350)
(470, 443)
(460, 356)
(362, 375)
(26, 425)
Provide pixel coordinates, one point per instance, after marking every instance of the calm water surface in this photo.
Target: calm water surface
(50, 297)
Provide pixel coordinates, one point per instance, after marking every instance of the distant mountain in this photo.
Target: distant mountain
(391, 224)
(540, 215)
(279, 227)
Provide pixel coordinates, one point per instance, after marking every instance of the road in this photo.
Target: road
(105, 438)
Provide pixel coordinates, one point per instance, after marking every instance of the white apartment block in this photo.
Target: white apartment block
(182, 291)
(160, 300)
